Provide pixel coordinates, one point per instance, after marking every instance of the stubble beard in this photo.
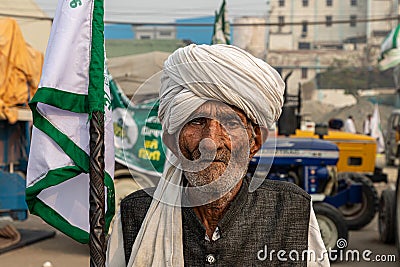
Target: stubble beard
(225, 171)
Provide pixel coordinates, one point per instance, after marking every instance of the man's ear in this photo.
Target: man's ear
(261, 134)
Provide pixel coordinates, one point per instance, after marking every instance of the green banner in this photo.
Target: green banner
(137, 134)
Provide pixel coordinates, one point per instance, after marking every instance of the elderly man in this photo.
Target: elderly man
(216, 106)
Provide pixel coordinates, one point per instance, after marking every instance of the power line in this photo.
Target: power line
(212, 24)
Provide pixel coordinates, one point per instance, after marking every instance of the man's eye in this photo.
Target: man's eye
(233, 124)
(197, 121)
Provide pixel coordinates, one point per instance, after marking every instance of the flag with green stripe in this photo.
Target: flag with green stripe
(222, 33)
(74, 84)
(390, 50)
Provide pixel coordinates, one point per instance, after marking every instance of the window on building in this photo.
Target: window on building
(353, 20)
(281, 20)
(329, 2)
(281, 2)
(304, 46)
(328, 21)
(165, 33)
(304, 73)
(145, 37)
(380, 33)
(304, 28)
(305, 2)
(353, 2)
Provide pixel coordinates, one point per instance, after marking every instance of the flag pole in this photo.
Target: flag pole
(97, 244)
(97, 192)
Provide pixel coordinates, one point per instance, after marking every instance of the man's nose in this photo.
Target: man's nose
(215, 133)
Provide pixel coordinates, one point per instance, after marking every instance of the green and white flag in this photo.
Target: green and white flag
(74, 84)
(390, 50)
(376, 130)
(222, 33)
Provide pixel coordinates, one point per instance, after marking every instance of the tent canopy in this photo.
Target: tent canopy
(35, 31)
(138, 75)
(20, 69)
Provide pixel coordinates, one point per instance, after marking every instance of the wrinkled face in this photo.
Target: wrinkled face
(218, 142)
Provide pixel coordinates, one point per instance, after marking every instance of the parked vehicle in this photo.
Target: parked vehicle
(389, 203)
(392, 140)
(311, 164)
(356, 164)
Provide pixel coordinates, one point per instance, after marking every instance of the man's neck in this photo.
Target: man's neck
(210, 214)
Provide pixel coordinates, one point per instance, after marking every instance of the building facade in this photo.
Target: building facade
(155, 32)
(310, 34)
(251, 38)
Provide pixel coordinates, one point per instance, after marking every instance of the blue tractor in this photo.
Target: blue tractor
(311, 164)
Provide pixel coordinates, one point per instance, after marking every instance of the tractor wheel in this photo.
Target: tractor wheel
(386, 216)
(360, 214)
(397, 214)
(333, 227)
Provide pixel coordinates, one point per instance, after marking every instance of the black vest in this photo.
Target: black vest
(254, 228)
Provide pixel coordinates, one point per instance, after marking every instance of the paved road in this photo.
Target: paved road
(62, 251)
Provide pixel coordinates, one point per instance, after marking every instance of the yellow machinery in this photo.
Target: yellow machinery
(356, 163)
(357, 152)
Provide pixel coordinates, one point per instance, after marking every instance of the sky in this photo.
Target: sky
(168, 10)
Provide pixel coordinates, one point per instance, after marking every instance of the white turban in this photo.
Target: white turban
(192, 75)
(196, 73)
